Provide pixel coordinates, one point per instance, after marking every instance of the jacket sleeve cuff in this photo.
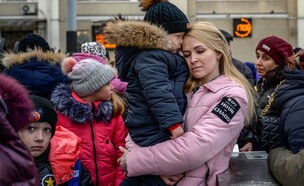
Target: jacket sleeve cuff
(174, 127)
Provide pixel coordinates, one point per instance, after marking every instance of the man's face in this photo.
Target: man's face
(36, 137)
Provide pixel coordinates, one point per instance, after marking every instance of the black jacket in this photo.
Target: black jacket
(265, 88)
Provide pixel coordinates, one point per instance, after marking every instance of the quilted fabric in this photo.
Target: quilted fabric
(270, 132)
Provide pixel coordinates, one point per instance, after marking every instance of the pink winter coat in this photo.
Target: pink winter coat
(205, 149)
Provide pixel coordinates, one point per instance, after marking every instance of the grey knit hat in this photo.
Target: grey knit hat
(89, 75)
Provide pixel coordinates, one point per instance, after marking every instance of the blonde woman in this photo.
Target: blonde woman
(220, 101)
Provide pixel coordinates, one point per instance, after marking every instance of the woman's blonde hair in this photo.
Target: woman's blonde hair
(210, 36)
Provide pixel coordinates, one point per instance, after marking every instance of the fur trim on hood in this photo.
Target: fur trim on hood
(138, 34)
(11, 59)
(78, 112)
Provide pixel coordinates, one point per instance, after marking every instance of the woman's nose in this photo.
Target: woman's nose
(258, 61)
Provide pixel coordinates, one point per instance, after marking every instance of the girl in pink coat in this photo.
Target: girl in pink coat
(220, 101)
(89, 108)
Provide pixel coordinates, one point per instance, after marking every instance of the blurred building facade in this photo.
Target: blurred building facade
(248, 20)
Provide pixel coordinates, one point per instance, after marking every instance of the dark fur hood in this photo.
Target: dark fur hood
(79, 112)
(11, 59)
(137, 34)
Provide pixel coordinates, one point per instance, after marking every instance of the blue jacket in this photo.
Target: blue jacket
(290, 99)
(40, 72)
(155, 77)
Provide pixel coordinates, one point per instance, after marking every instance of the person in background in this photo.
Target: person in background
(287, 162)
(245, 70)
(271, 55)
(57, 159)
(220, 101)
(17, 166)
(149, 59)
(254, 72)
(35, 66)
(297, 50)
(90, 108)
(2, 51)
(96, 51)
(247, 132)
(2, 46)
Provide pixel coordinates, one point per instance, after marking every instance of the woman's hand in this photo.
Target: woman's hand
(247, 147)
(122, 160)
(172, 180)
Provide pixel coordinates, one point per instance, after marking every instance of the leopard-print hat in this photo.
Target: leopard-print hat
(94, 48)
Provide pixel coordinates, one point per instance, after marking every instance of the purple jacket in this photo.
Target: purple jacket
(16, 163)
(205, 148)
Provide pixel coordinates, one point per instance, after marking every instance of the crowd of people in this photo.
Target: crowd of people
(169, 112)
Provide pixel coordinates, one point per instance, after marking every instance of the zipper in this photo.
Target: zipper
(94, 145)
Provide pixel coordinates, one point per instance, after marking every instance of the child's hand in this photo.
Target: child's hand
(122, 159)
(179, 131)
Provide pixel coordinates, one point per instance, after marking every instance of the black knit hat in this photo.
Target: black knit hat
(43, 112)
(165, 14)
(32, 42)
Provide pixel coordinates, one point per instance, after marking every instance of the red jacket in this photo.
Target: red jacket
(63, 154)
(101, 134)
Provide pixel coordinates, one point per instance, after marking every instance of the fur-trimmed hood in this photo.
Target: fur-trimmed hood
(40, 72)
(79, 112)
(11, 59)
(138, 34)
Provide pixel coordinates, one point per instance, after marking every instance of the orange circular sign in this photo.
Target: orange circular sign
(243, 28)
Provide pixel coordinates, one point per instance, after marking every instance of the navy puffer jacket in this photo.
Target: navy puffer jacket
(40, 72)
(155, 77)
(290, 98)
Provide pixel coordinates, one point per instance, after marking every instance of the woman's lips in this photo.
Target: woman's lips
(195, 68)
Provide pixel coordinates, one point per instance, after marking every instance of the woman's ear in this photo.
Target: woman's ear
(218, 56)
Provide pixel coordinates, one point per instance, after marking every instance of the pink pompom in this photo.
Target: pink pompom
(68, 64)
